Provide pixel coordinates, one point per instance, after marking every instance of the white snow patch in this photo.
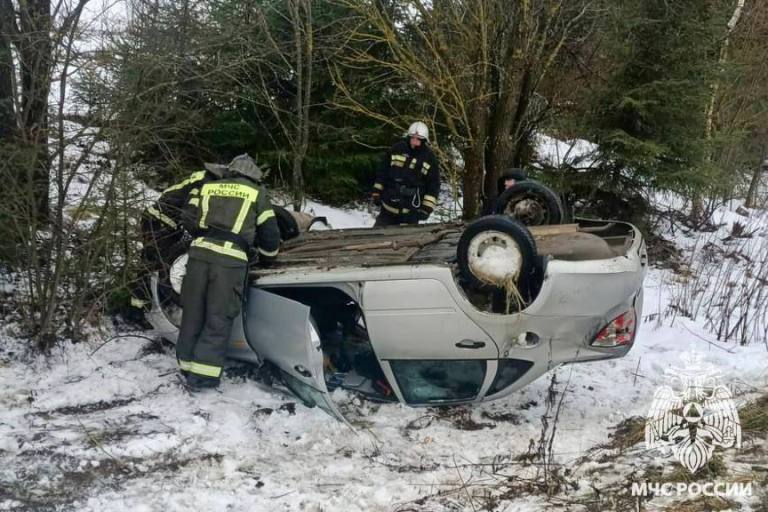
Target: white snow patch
(339, 218)
(554, 152)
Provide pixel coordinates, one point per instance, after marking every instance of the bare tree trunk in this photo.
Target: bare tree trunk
(697, 203)
(56, 266)
(303, 47)
(474, 169)
(475, 155)
(508, 131)
(8, 30)
(35, 46)
(299, 99)
(499, 148)
(309, 47)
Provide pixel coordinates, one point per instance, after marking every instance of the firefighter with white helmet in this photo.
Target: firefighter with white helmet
(408, 182)
(420, 130)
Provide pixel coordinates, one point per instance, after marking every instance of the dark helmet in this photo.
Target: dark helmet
(511, 173)
(246, 166)
(218, 170)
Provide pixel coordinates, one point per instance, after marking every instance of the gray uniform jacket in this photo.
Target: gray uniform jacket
(230, 218)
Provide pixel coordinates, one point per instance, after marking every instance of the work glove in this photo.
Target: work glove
(186, 237)
(268, 261)
(423, 212)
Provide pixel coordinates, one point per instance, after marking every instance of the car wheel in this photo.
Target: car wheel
(169, 289)
(287, 224)
(177, 271)
(496, 250)
(532, 203)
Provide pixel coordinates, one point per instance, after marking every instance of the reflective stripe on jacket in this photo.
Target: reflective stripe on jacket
(169, 207)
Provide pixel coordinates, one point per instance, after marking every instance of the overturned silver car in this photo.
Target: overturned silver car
(434, 314)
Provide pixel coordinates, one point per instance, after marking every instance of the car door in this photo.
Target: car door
(282, 333)
(433, 350)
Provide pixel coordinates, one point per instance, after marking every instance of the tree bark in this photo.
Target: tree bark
(7, 71)
(35, 46)
(697, 202)
(499, 142)
(303, 40)
(508, 133)
(474, 169)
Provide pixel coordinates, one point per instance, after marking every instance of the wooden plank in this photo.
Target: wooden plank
(380, 233)
(557, 229)
(357, 243)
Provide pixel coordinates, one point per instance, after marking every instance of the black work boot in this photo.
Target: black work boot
(199, 382)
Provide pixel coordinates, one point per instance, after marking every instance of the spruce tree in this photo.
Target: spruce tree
(650, 116)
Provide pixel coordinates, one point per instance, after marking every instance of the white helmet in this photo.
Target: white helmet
(420, 130)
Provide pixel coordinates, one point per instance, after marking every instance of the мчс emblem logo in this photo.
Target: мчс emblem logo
(693, 414)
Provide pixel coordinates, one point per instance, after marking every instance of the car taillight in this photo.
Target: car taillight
(621, 331)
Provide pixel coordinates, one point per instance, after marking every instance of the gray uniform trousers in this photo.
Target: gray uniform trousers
(211, 297)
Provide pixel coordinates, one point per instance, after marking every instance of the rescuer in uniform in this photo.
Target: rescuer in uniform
(408, 182)
(231, 219)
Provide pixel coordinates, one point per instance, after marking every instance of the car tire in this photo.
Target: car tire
(509, 234)
(166, 290)
(532, 203)
(287, 224)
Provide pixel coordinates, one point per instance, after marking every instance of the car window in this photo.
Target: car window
(509, 370)
(424, 381)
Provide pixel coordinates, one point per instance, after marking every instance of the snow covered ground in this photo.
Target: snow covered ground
(722, 282)
(106, 425)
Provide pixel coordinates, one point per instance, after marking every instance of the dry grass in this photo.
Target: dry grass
(724, 282)
(754, 416)
(705, 504)
(627, 434)
(715, 468)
